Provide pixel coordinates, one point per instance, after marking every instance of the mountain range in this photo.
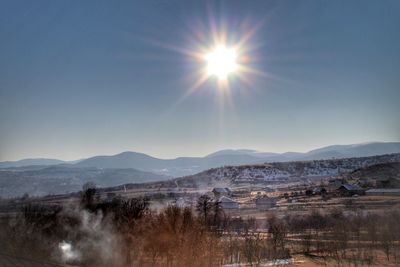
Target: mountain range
(49, 176)
(190, 165)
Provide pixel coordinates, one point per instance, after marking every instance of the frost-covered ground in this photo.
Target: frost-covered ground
(277, 262)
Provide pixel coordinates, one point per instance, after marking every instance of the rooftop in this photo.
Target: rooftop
(352, 187)
(225, 199)
(264, 200)
(221, 190)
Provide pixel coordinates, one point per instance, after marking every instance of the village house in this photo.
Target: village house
(350, 190)
(228, 203)
(221, 191)
(265, 203)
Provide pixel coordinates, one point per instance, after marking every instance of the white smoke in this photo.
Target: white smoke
(67, 252)
(91, 239)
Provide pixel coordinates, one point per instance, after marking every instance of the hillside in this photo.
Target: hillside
(61, 179)
(283, 171)
(383, 175)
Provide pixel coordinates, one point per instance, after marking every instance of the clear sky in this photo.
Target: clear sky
(82, 78)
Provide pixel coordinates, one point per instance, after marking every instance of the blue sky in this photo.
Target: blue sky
(81, 78)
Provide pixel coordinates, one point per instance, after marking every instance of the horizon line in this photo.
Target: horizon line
(207, 154)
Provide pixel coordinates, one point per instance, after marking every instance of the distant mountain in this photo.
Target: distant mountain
(190, 165)
(356, 150)
(122, 160)
(236, 152)
(172, 167)
(229, 152)
(30, 162)
(132, 167)
(61, 179)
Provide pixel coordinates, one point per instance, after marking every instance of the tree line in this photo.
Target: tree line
(126, 232)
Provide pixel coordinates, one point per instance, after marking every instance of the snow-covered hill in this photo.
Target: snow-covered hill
(284, 170)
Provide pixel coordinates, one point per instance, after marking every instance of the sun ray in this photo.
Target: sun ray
(200, 81)
(226, 59)
(191, 90)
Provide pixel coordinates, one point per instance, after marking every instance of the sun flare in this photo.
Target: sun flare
(221, 61)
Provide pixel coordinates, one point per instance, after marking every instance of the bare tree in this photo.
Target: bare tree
(88, 193)
(204, 206)
(278, 231)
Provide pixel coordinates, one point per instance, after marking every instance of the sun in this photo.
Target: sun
(221, 61)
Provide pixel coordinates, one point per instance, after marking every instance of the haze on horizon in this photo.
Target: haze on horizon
(79, 79)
